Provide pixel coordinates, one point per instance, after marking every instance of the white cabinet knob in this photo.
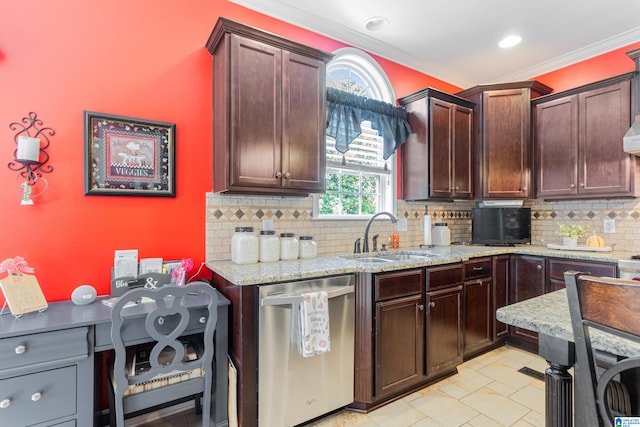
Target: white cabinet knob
(36, 396)
(5, 403)
(203, 320)
(21, 349)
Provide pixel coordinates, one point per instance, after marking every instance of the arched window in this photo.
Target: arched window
(359, 182)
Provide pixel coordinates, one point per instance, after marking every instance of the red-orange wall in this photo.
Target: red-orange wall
(144, 59)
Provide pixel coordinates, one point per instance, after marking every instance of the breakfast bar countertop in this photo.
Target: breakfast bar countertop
(548, 314)
(329, 265)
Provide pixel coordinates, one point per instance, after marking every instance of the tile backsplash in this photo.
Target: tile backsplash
(225, 212)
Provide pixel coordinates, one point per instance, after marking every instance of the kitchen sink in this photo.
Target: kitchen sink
(394, 257)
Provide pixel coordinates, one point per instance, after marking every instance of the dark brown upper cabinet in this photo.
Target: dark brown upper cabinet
(436, 158)
(268, 112)
(578, 142)
(502, 138)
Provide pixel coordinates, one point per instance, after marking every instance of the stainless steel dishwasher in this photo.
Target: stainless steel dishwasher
(293, 389)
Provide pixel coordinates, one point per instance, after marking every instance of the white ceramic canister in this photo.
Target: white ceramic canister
(244, 246)
(289, 246)
(269, 246)
(308, 247)
(441, 235)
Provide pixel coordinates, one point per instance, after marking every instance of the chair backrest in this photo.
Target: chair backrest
(611, 306)
(165, 315)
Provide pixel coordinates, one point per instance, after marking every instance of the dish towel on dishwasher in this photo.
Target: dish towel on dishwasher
(311, 324)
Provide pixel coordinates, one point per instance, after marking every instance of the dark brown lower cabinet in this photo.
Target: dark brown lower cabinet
(556, 268)
(477, 315)
(399, 348)
(444, 330)
(527, 280)
(500, 278)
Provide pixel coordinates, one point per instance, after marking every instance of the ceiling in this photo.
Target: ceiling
(457, 40)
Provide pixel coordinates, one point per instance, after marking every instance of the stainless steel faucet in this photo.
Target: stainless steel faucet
(365, 247)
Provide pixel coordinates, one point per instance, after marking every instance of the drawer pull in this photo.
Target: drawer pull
(5, 403)
(478, 268)
(36, 396)
(202, 320)
(21, 349)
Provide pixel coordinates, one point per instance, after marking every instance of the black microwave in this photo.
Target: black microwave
(500, 226)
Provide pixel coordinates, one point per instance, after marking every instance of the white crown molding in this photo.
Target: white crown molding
(595, 49)
(287, 12)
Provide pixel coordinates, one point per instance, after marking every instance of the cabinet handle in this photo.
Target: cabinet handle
(420, 307)
(287, 175)
(21, 349)
(539, 267)
(478, 268)
(160, 320)
(524, 188)
(582, 184)
(202, 320)
(36, 396)
(5, 403)
(432, 304)
(278, 174)
(572, 186)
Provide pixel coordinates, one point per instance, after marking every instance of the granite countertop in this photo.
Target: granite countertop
(548, 314)
(329, 265)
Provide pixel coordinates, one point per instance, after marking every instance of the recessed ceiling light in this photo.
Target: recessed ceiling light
(376, 23)
(509, 41)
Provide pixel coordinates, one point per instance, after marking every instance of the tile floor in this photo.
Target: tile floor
(488, 391)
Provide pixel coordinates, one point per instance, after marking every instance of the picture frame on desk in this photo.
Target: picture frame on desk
(126, 156)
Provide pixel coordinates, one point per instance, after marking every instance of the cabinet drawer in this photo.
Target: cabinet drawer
(440, 277)
(399, 284)
(35, 398)
(134, 331)
(46, 347)
(477, 268)
(557, 268)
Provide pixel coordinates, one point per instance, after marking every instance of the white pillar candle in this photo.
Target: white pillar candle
(28, 149)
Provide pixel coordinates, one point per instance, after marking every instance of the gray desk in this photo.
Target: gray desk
(47, 358)
(549, 316)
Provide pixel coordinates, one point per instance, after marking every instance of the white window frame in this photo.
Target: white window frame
(380, 88)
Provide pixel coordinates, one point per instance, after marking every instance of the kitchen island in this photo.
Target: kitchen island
(548, 315)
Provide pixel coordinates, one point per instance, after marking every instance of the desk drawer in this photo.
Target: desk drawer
(35, 398)
(134, 331)
(46, 347)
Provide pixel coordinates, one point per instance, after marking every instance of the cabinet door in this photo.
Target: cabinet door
(444, 329)
(556, 146)
(462, 149)
(399, 348)
(506, 139)
(477, 315)
(256, 114)
(415, 153)
(441, 137)
(527, 281)
(303, 106)
(500, 293)
(557, 267)
(605, 169)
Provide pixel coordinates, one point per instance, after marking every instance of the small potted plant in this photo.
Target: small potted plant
(570, 233)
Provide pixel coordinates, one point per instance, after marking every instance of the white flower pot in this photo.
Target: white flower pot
(570, 241)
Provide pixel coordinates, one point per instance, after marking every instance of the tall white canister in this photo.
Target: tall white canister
(441, 234)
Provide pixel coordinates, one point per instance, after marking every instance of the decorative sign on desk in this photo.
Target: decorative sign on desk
(21, 290)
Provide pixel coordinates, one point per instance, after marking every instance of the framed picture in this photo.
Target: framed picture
(128, 157)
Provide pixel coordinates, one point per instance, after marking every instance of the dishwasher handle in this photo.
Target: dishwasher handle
(296, 299)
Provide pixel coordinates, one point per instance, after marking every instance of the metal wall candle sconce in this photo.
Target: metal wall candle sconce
(30, 156)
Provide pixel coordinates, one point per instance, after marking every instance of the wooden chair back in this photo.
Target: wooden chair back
(610, 306)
